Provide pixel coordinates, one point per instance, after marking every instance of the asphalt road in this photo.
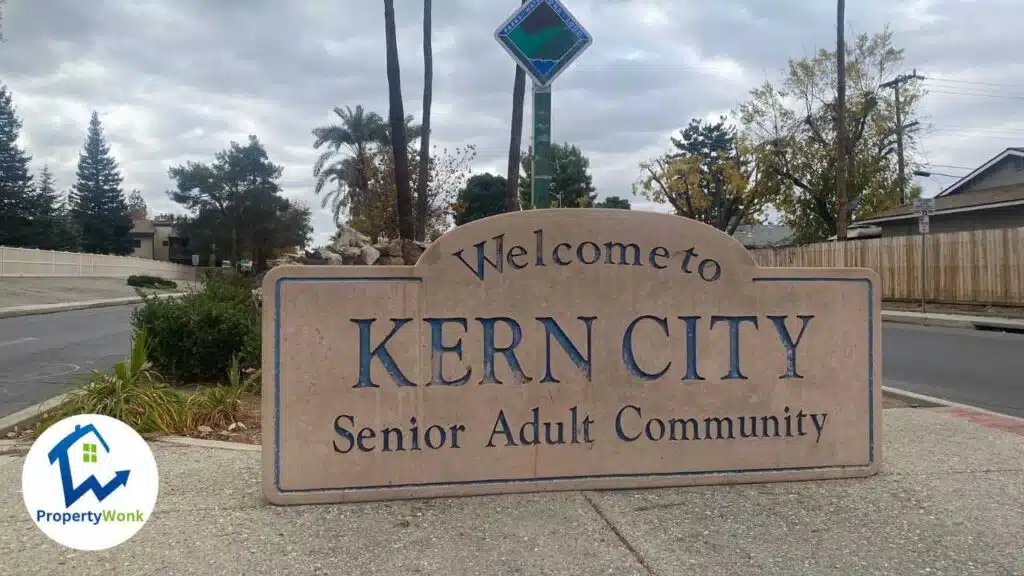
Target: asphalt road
(983, 369)
(38, 355)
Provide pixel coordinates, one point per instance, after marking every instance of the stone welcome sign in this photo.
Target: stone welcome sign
(564, 350)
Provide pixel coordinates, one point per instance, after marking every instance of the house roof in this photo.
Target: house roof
(762, 235)
(143, 228)
(1013, 151)
(980, 200)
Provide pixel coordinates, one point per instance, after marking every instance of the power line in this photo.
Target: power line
(950, 166)
(992, 129)
(979, 94)
(979, 136)
(976, 82)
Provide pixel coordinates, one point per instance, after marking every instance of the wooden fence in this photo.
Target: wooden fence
(979, 267)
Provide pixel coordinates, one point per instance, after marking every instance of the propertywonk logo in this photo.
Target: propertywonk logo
(90, 482)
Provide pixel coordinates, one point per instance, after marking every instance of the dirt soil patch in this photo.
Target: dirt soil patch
(245, 430)
(962, 309)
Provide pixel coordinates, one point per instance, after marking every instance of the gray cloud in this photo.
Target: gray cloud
(177, 81)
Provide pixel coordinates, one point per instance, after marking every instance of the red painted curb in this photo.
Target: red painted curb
(1005, 423)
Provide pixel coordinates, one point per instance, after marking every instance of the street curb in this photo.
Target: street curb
(34, 309)
(28, 416)
(951, 321)
(933, 402)
(201, 443)
(916, 400)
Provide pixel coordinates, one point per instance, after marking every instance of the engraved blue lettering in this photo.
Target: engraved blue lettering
(618, 423)
(366, 355)
(658, 252)
(734, 342)
(594, 248)
(508, 352)
(557, 257)
(788, 343)
(438, 349)
(691, 348)
(629, 358)
(608, 246)
(551, 328)
(481, 257)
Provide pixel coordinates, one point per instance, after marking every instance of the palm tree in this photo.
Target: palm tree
(356, 132)
(515, 140)
(413, 132)
(428, 92)
(397, 119)
(340, 175)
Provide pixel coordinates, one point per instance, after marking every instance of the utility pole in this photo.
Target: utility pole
(841, 148)
(895, 84)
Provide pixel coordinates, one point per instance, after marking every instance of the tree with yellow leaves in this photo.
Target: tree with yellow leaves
(711, 177)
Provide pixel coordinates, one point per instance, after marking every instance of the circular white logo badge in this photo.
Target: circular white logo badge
(90, 482)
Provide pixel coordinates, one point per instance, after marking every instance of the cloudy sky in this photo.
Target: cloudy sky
(178, 80)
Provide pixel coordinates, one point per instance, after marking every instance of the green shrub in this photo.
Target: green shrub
(220, 406)
(145, 281)
(131, 391)
(194, 337)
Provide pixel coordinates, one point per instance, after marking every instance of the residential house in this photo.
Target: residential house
(158, 239)
(763, 235)
(990, 197)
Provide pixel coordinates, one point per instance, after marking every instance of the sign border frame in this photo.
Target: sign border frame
(285, 496)
(532, 5)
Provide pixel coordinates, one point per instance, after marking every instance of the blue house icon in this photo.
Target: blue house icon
(60, 454)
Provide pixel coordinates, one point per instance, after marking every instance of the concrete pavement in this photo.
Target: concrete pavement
(28, 291)
(947, 501)
(30, 296)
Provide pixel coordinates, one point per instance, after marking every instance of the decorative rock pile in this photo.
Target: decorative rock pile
(352, 248)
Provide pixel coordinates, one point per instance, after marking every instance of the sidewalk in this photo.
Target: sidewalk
(20, 296)
(948, 501)
(953, 320)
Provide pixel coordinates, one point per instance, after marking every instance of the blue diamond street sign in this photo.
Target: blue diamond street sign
(544, 38)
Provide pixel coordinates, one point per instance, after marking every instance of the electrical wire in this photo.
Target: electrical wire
(975, 82)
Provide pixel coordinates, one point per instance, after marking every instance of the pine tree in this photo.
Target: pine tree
(15, 179)
(51, 229)
(98, 205)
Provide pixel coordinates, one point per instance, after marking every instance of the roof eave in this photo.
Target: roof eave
(979, 170)
(976, 208)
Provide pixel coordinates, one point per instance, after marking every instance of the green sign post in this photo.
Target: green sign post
(543, 38)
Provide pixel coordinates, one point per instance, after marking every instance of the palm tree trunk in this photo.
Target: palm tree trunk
(515, 141)
(428, 92)
(396, 116)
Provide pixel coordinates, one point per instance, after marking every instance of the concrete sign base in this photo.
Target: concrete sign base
(566, 350)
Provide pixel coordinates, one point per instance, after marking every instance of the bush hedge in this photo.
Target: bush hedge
(193, 338)
(146, 281)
